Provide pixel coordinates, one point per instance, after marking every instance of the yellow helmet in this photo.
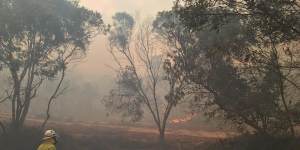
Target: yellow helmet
(49, 134)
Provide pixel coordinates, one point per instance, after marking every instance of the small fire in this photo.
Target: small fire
(187, 118)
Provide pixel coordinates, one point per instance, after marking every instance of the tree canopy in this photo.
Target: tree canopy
(38, 39)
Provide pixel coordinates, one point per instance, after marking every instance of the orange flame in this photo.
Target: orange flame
(187, 118)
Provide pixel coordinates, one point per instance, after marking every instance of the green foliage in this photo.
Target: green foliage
(48, 27)
(125, 99)
(278, 19)
(38, 40)
(231, 55)
(121, 30)
(138, 52)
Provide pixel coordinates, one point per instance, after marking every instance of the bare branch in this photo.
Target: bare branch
(7, 97)
(53, 96)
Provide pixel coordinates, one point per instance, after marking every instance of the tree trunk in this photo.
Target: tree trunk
(287, 111)
(282, 88)
(162, 140)
(2, 128)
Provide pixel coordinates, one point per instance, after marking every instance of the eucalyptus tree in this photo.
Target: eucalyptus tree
(240, 59)
(145, 79)
(39, 39)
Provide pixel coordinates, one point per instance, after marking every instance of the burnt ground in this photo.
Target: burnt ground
(104, 136)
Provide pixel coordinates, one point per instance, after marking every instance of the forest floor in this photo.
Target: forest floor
(105, 136)
(97, 136)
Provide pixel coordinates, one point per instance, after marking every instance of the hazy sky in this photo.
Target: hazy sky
(94, 69)
(95, 65)
(145, 7)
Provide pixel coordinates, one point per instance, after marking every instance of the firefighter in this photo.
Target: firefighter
(49, 141)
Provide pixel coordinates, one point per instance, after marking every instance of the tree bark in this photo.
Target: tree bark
(3, 128)
(162, 140)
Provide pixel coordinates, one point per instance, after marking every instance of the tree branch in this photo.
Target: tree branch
(53, 96)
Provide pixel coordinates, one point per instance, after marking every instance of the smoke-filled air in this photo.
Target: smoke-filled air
(149, 74)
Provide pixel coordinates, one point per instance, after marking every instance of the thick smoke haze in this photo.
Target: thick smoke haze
(89, 80)
(98, 60)
(92, 78)
(149, 74)
(96, 70)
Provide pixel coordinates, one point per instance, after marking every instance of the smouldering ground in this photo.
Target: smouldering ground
(98, 136)
(115, 137)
